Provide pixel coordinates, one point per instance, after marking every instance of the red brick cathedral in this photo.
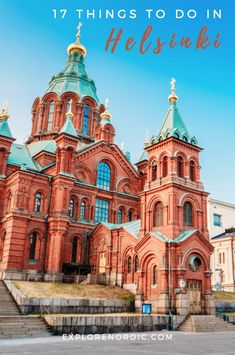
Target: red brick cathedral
(72, 203)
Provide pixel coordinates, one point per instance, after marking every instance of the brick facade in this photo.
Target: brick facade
(72, 202)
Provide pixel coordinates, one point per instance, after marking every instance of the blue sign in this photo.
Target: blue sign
(146, 308)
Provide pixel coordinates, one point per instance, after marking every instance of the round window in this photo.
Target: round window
(194, 263)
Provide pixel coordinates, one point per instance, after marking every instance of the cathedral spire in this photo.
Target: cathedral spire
(106, 115)
(77, 46)
(173, 125)
(173, 98)
(4, 127)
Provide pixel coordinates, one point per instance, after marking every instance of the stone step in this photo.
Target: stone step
(29, 335)
(205, 324)
(20, 321)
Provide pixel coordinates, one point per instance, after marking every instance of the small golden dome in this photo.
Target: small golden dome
(77, 46)
(4, 114)
(173, 98)
(106, 113)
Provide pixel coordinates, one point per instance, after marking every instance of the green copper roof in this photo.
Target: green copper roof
(4, 129)
(20, 156)
(37, 147)
(68, 128)
(173, 126)
(73, 78)
(144, 156)
(132, 227)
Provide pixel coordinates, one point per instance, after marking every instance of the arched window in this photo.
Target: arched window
(103, 176)
(74, 250)
(180, 166)
(32, 246)
(86, 114)
(185, 139)
(158, 215)
(68, 105)
(129, 264)
(71, 208)
(165, 166)
(192, 170)
(136, 263)
(37, 203)
(119, 216)
(188, 214)
(83, 211)
(50, 115)
(155, 275)
(154, 171)
(130, 216)
(9, 201)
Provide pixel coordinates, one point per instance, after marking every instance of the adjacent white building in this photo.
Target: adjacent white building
(221, 225)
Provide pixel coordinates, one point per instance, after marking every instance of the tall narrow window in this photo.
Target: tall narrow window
(50, 115)
(32, 246)
(37, 203)
(101, 211)
(188, 214)
(9, 201)
(74, 250)
(68, 106)
(130, 216)
(86, 114)
(192, 172)
(71, 208)
(154, 171)
(2, 240)
(155, 275)
(158, 215)
(103, 176)
(129, 264)
(165, 166)
(180, 166)
(83, 211)
(136, 263)
(119, 216)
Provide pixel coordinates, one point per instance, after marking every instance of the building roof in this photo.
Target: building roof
(144, 156)
(132, 227)
(183, 236)
(224, 235)
(73, 78)
(174, 126)
(20, 156)
(68, 128)
(5, 129)
(37, 147)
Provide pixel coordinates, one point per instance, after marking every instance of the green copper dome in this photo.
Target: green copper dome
(73, 78)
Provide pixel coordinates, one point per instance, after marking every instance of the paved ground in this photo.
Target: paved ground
(137, 343)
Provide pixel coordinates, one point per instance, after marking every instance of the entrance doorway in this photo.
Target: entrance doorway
(194, 295)
(102, 263)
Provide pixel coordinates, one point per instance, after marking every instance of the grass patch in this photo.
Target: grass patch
(72, 291)
(224, 296)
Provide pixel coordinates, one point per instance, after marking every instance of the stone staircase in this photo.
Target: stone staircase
(13, 324)
(203, 323)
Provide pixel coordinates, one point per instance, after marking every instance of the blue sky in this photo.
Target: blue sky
(33, 48)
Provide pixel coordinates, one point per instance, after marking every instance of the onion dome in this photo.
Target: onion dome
(73, 77)
(77, 46)
(105, 116)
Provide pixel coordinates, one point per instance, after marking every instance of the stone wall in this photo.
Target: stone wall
(225, 307)
(98, 324)
(29, 305)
